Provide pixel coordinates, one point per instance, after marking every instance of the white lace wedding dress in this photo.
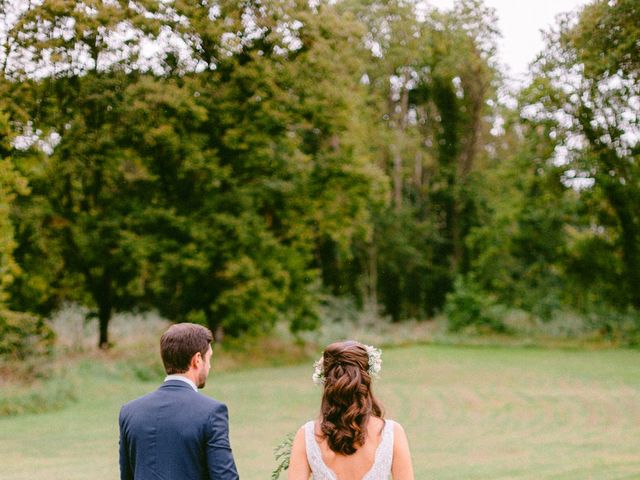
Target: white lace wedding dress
(381, 469)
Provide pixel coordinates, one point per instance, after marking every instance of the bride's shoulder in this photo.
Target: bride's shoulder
(388, 424)
(299, 439)
(313, 425)
(399, 437)
(397, 427)
(305, 427)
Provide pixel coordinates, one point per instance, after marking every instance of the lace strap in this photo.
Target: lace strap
(384, 454)
(314, 455)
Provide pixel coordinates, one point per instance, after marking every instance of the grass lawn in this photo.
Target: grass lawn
(469, 412)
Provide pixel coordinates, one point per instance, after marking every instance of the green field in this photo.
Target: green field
(470, 413)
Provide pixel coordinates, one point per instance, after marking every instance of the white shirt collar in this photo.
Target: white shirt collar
(182, 378)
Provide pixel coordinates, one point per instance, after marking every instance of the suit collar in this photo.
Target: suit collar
(177, 384)
(182, 378)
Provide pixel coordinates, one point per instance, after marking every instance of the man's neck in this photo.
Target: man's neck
(183, 377)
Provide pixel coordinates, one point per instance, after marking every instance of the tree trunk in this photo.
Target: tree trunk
(104, 300)
(104, 315)
(456, 237)
(417, 174)
(476, 90)
(215, 326)
(401, 126)
(218, 335)
(397, 177)
(373, 274)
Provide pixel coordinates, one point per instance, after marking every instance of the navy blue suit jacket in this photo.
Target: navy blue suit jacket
(175, 433)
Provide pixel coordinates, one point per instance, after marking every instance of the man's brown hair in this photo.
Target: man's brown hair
(180, 343)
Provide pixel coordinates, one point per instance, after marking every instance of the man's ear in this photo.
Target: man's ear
(197, 357)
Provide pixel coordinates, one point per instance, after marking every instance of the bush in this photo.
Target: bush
(620, 326)
(23, 334)
(52, 394)
(468, 306)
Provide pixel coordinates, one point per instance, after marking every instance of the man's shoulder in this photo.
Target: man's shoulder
(196, 400)
(208, 402)
(137, 402)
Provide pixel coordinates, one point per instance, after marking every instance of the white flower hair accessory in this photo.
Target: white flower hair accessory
(375, 365)
(318, 371)
(375, 360)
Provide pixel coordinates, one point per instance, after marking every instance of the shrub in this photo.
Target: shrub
(23, 334)
(468, 306)
(620, 326)
(52, 394)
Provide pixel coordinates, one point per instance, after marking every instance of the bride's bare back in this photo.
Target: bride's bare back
(359, 464)
(385, 452)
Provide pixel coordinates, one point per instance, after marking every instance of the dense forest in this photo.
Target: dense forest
(235, 162)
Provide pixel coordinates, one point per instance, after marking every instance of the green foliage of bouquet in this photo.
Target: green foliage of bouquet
(283, 456)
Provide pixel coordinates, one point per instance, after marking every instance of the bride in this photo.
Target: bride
(351, 440)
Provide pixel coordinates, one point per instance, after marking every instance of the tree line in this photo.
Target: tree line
(229, 162)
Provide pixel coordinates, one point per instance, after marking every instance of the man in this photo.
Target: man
(176, 433)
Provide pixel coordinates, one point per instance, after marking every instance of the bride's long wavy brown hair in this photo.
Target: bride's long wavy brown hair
(347, 401)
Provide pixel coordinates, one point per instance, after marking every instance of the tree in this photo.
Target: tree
(430, 80)
(205, 188)
(79, 207)
(282, 111)
(590, 93)
(11, 184)
(21, 333)
(518, 249)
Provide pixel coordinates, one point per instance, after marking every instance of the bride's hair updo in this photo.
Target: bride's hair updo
(347, 401)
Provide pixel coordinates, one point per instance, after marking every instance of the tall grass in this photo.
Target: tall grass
(41, 396)
(47, 383)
